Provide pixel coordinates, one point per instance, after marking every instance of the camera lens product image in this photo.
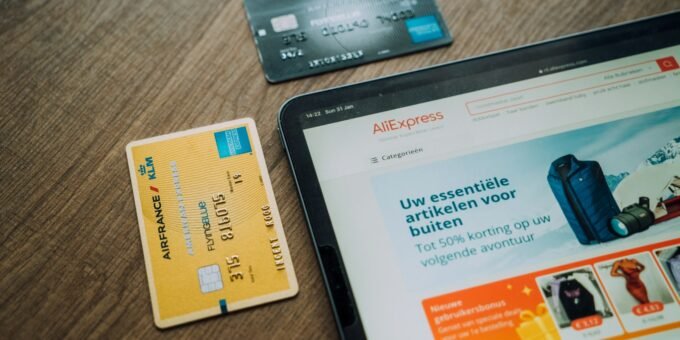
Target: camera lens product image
(633, 218)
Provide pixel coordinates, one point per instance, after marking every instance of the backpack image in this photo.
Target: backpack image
(584, 197)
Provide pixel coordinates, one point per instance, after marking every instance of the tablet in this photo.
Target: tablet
(530, 193)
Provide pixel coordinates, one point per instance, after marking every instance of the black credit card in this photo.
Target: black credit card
(298, 38)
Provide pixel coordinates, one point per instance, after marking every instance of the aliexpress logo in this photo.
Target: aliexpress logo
(408, 123)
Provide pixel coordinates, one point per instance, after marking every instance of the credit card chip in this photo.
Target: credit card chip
(284, 23)
(210, 278)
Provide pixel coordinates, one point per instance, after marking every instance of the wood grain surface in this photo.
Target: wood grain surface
(81, 79)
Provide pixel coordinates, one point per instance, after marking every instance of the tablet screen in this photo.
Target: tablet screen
(547, 205)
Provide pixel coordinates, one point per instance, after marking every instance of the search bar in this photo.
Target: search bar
(569, 87)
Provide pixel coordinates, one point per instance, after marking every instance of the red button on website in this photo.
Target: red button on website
(587, 322)
(667, 64)
(648, 308)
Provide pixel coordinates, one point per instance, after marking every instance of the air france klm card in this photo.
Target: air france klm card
(211, 232)
(297, 38)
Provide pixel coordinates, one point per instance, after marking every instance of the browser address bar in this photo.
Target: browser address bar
(568, 87)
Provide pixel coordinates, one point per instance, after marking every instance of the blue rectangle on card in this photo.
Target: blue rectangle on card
(424, 29)
(232, 142)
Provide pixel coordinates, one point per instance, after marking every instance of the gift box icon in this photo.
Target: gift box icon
(537, 325)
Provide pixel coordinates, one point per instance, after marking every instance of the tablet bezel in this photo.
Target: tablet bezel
(519, 64)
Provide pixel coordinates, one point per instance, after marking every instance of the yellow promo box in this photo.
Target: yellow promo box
(211, 231)
(537, 325)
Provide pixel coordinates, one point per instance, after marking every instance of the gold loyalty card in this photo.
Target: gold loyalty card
(211, 232)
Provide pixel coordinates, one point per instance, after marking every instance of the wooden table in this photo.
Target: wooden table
(80, 79)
